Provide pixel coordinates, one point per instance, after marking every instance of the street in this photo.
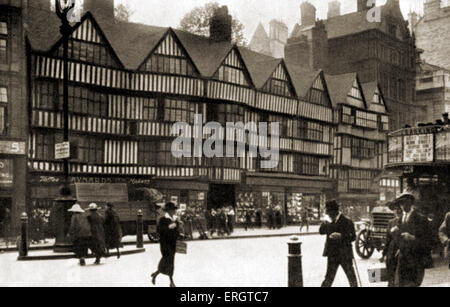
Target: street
(224, 263)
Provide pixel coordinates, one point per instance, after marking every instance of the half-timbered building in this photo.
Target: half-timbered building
(359, 141)
(129, 83)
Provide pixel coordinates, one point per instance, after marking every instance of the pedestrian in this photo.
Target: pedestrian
(413, 251)
(231, 217)
(80, 233)
(304, 219)
(248, 220)
(444, 235)
(270, 217)
(97, 222)
(168, 234)
(258, 218)
(391, 250)
(113, 230)
(340, 234)
(222, 218)
(214, 222)
(6, 225)
(278, 217)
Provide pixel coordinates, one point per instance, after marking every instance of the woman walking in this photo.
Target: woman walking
(80, 233)
(113, 230)
(168, 233)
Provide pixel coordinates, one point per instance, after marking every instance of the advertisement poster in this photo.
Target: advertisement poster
(418, 148)
(395, 149)
(6, 173)
(443, 146)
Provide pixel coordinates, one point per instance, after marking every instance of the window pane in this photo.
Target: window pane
(3, 95)
(3, 28)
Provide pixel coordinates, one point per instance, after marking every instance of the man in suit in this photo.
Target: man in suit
(338, 247)
(444, 234)
(96, 221)
(413, 256)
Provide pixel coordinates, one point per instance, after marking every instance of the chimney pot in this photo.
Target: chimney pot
(308, 13)
(221, 25)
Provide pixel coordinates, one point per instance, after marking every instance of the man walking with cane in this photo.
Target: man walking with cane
(340, 234)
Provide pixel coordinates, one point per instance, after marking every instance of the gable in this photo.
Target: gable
(377, 103)
(169, 58)
(317, 94)
(233, 70)
(279, 83)
(88, 44)
(355, 96)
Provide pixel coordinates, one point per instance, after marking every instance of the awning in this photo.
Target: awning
(389, 174)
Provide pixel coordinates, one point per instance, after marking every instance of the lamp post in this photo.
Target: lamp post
(66, 200)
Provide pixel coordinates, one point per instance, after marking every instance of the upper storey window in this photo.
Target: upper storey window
(356, 92)
(3, 42)
(278, 83)
(87, 45)
(232, 70)
(317, 93)
(169, 58)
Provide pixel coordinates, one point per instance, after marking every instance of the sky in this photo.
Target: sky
(168, 13)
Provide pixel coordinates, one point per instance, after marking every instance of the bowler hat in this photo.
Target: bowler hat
(170, 206)
(332, 205)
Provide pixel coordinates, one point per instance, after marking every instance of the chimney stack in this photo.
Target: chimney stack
(308, 12)
(334, 9)
(363, 5)
(100, 8)
(220, 25)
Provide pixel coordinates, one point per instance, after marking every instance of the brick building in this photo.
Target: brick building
(432, 31)
(383, 52)
(433, 90)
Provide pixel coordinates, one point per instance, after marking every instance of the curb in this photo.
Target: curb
(72, 256)
(43, 248)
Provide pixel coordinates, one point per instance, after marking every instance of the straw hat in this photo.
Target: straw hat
(93, 207)
(76, 209)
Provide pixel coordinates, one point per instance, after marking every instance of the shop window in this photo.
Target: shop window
(3, 42)
(3, 110)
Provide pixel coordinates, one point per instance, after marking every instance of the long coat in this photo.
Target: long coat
(339, 249)
(168, 243)
(414, 254)
(391, 250)
(113, 230)
(79, 227)
(97, 229)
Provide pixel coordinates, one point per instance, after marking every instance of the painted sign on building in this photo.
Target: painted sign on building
(418, 148)
(12, 148)
(6, 173)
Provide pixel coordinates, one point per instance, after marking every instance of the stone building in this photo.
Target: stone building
(433, 90)
(271, 44)
(383, 52)
(432, 32)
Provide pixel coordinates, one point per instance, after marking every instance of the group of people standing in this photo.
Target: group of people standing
(221, 221)
(91, 231)
(254, 218)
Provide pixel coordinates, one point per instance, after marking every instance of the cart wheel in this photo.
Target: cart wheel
(364, 249)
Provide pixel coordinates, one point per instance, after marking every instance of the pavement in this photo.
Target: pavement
(239, 233)
(248, 262)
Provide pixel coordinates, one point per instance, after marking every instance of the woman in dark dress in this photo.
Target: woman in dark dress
(168, 234)
(113, 230)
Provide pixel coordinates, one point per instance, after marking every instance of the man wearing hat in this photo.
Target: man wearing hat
(97, 222)
(338, 247)
(80, 233)
(413, 252)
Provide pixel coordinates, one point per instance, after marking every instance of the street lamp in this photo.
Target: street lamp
(63, 11)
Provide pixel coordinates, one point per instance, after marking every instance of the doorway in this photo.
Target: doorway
(221, 195)
(5, 217)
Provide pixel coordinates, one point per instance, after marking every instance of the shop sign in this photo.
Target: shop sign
(418, 148)
(201, 196)
(62, 151)
(6, 173)
(12, 148)
(110, 192)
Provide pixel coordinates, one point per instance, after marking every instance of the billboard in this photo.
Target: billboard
(418, 148)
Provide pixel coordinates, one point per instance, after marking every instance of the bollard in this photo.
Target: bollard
(295, 271)
(140, 230)
(23, 248)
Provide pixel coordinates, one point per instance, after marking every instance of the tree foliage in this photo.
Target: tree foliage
(197, 22)
(123, 13)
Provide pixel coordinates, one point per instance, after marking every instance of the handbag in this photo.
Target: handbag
(181, 247)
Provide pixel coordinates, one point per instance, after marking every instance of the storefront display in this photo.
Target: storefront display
(245, 201)
(294, 207)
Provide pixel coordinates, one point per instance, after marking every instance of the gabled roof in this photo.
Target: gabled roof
(369, 89)
(133, 43)
(339, 86)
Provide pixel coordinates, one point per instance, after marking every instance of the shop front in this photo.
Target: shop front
(12, 186)
(286, 195)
